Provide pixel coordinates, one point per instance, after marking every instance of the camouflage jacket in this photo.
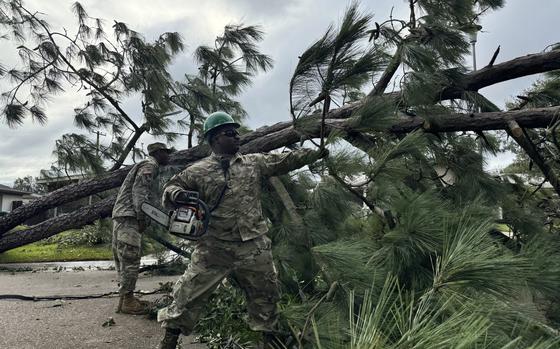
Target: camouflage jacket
(239, 216)
(136, 189)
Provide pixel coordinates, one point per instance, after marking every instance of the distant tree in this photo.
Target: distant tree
(223, 72)
(111, 68)
(29, 184)
(107, 69)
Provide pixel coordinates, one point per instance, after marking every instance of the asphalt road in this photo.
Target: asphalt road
(75, 323)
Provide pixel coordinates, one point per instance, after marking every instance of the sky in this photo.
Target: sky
(290, 26)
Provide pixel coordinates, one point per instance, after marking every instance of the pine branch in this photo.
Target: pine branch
(520, 136)
(388, 218)
(388, 74)
(110, 99)
(130, 144)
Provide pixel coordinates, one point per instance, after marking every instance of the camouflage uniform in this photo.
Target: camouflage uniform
(236, 244)
(127, 236)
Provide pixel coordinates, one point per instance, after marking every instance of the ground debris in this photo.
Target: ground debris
(57, 303)
(109, 322)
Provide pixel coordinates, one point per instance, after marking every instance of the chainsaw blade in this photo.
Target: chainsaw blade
(156, 214)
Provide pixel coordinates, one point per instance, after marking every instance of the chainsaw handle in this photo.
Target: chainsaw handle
(187, 198)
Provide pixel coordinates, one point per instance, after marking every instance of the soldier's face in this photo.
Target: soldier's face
(162, 157)
(227, 140)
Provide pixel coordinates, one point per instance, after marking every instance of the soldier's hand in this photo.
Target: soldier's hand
(186, 197)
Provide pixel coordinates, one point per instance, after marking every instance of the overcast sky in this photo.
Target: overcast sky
(520, 28)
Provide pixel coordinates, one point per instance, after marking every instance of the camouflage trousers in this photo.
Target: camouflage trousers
(126, 252)
(249, 263)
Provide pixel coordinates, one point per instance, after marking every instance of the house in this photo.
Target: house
(11, 199)
(51, 183)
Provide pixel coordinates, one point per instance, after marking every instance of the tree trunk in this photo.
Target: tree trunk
(85, 188)
(53, 226)
(65, 194)
(513, 69)
(527, 118)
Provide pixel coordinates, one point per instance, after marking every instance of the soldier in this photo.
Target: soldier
(236, 243)
(129, 224)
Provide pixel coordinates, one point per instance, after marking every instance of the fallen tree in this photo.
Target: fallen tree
(282, 134)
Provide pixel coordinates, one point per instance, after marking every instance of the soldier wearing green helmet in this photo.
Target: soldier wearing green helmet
(217, 120)
(236, 243)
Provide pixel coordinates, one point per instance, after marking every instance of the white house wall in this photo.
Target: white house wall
(7, 200)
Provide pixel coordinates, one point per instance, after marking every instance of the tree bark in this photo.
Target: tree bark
(76, 219)
(281, 134)
(527, 118)
(513, 69)
(65, 194)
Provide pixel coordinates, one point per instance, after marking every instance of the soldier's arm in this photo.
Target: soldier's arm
(178, 183)
(141, 187)
(282, 163)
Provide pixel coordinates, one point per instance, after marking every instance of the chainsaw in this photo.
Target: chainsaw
(188, 221)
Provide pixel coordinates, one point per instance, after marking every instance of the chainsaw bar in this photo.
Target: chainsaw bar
(156, 214)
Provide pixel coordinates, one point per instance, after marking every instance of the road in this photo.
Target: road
(75, 323)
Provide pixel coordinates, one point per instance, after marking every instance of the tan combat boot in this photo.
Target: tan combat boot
(128, 304)
(170, 340)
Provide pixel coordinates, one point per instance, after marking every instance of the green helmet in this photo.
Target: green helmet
(217, 119)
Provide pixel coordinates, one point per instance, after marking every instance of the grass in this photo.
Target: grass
(70, 245)
(53, 253)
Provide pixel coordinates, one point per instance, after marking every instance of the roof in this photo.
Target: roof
(4, 189)
(60, 179)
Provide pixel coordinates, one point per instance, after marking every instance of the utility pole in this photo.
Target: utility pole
(98, 133)
(473, 37)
